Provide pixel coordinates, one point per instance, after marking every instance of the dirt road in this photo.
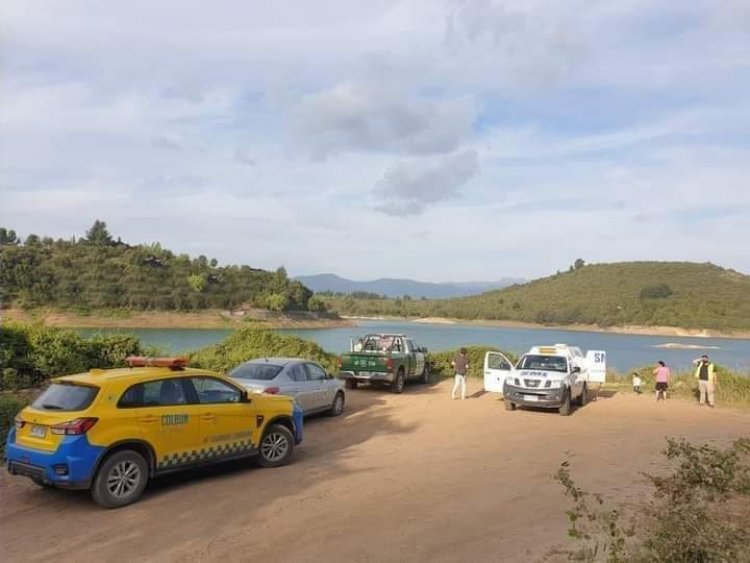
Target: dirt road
(410, 477)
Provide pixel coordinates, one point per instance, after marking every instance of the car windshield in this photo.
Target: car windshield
(65, 397)
(547, 363)
(263, 372)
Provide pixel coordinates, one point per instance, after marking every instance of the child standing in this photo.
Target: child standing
(637, 383)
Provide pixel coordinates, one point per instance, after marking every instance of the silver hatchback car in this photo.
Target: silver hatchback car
(314, 389)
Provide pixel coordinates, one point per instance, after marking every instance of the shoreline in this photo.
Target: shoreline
(633, 330)
(215, 319)
(209, 319)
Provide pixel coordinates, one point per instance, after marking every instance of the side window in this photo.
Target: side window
(397, 345)
(298, 373)
(212, 390)
(410, 346)
(162, 393)
(496, 361)
(315, 373)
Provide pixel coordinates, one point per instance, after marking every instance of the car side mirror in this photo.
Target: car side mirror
(246, 396)
(576, 369)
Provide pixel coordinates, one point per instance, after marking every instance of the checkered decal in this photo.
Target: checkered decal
(221, 450)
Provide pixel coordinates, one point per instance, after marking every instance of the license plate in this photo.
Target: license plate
(38, 431)
(531, 398)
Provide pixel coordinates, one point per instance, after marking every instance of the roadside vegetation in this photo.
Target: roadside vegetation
(731, 388)
(249, 343)
(99, 273)
(677, 294)
(698, 511)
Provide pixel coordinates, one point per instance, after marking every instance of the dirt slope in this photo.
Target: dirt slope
(414, 477)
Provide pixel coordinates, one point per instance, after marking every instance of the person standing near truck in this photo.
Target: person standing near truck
(461, 368)
(662, 380)
(705, 373)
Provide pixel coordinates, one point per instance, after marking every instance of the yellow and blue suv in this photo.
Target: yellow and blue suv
(110, 431)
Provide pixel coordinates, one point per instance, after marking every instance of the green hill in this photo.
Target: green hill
(97, 272)
(676, 294)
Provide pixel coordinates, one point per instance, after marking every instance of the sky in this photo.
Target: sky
(439, 140)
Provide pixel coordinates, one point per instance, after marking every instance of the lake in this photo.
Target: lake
(624, 351)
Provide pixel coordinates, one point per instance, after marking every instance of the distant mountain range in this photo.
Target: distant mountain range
(400, 287)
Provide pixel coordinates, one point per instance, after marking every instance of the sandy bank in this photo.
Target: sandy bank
(166, 319)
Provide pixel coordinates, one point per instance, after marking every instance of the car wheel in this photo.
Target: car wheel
(509, 406)
(398, 385)
(426, 373)
(565, 407)
(276, 447)
(584, 398)
(350, 384)
(338, 404)
(120, 480)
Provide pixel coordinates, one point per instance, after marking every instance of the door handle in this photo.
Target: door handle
(208, 416)
(149, 418)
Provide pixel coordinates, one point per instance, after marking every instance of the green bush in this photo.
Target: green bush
(249, 343)
(9, 408)
(441, 361)
(698, 511)
(31, 354)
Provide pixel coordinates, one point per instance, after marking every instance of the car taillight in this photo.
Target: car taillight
(389, 363)
(18, 422)
(271, 390)
(74, 427)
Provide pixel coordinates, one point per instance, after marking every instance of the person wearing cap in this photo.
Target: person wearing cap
(705, 373)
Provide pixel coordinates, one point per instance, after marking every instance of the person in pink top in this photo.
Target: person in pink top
(662, 380)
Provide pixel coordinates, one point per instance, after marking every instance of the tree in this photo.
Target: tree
(656, 291)
(8, 237)
(579, 263)
(32, 240)
(98, 234)
(197, 282)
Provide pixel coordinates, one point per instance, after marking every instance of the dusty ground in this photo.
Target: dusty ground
(412, 477)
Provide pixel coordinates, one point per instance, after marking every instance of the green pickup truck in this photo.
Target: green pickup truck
(385, 359)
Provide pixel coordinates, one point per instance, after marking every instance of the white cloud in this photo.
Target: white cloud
(607, 129)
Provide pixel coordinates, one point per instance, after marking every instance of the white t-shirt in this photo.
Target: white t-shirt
(636, 381)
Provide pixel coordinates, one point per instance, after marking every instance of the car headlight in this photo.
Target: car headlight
(555, 384)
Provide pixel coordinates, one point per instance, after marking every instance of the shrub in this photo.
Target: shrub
(249, 343)
(30, 354)
(656, 291)
(9, 408)
(698, 511)
(441, 361)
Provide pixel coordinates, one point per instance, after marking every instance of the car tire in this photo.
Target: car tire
(120, 479)
(509, 406)
(337, 407)
(350, 384)
(426, 373)
(276, 447)
(398, 385)
(584, 397)
(565, 407)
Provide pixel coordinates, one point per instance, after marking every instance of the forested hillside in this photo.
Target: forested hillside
(99, 272)
(631, 293)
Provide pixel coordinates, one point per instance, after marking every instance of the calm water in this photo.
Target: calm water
(623, 351)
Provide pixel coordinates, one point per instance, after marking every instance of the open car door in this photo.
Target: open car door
(596, 362)
(496, 368)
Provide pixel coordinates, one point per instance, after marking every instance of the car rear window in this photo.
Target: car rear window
(65, 397)
(263, 372)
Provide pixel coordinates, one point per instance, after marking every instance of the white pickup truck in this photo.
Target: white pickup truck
(552, 377)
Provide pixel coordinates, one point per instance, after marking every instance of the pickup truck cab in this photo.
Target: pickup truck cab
(552, 377)
(387, 359)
